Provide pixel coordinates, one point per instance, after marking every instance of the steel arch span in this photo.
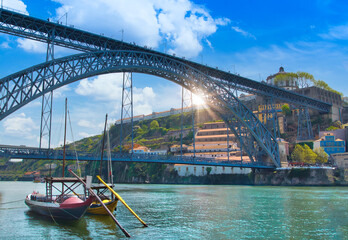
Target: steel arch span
(18, 89)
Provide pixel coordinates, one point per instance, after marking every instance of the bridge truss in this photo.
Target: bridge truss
(108, 55)
(67, 36)
(30, 84)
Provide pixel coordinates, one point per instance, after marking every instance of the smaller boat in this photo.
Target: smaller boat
(101, 190)
(110, 202)
(39, 180)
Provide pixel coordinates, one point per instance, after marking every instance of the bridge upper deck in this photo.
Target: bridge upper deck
(67, 36)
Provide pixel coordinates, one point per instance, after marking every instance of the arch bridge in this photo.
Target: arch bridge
(104, 55)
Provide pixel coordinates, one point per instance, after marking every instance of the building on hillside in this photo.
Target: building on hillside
(177, 148)
(140, 150)
(312, 92)
(197, 170)
(158, 152)
(330, 144)
(325, 96)
(146, 151)
(30, 176)
(265, 113)
(247, 98)
(213, 141)
(290, 84)
(154, 115)
(338, 133)
(345, 114)
(340, 160)
(283, 151)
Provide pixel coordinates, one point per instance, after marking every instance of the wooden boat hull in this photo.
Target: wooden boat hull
(71, 211)
(98, 209)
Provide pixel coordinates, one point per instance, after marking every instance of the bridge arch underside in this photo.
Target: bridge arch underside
(18, 89)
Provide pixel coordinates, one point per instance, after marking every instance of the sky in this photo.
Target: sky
(252, 38)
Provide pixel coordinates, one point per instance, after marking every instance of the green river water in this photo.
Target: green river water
(190, 212)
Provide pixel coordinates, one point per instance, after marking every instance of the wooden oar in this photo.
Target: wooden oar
(124, 203)
(101, 202)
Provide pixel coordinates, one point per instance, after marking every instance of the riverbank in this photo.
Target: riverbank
(279, 177)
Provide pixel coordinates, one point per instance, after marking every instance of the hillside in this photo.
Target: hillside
(160, 133)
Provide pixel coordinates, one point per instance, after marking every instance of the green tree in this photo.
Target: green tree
(322, 156)
(154, 125)
(309, 155)
(298, 154)
(286, 77)
(286, 110)
(323, 85)
(305, 79)
(208, 170)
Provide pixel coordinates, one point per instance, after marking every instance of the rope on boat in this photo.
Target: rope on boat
(52, 215)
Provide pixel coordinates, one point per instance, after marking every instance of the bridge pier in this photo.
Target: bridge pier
(127, 106)
(47, 98)
(304, 128)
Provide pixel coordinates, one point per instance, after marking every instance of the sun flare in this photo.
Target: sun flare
(197, 100)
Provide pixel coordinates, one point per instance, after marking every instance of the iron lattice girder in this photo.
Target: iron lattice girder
(72, 68)
(33, 28)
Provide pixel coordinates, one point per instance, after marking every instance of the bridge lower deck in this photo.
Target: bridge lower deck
(52, 154)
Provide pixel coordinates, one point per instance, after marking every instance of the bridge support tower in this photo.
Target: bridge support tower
(47, 100)
(127, 106)
(304, 129)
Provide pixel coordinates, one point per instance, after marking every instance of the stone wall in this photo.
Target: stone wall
(302, 177)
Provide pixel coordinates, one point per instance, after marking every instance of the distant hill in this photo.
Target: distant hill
(160, 133)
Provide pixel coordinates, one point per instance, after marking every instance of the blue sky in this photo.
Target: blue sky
(252, 38)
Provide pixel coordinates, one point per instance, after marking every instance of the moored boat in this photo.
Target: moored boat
(63, 205)
(110, 201)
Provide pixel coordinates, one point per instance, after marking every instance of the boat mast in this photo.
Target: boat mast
(66, 106)
(102, 149)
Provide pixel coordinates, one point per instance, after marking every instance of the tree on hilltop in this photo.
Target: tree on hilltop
(154, 124)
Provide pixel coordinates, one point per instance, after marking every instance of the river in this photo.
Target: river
(190, 212)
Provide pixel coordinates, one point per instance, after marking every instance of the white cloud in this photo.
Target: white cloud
(15, 5)
(144, 100)
(85, 123)
(84, 134)
(32, 46)
(181, 23)
(297, 56)
(337, 32)
(60, 92)
(243, 32)
(103, 87)
(5, 45)
(20, 125)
